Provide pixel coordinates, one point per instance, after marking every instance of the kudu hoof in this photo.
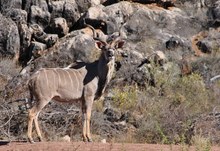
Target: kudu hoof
(40, 139)
(84, 139)
(89, 140)
(31, 141)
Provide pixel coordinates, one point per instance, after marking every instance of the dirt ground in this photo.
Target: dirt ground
(81, 146)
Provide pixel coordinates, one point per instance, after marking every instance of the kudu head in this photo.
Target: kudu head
(109, 49)
(107, 46)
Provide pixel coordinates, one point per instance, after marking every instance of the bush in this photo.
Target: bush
(170, 107)
(125, 98)
(201, 143)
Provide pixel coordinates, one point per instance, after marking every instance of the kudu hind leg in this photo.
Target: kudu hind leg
(33, 116)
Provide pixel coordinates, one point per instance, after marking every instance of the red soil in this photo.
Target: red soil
(81, 146)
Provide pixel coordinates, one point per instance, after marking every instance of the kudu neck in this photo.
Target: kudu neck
(105, 71)
(105, 68)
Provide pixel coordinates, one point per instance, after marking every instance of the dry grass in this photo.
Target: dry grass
(201, 143)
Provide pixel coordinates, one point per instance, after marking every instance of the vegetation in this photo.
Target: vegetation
(168, 109)
(163, 113)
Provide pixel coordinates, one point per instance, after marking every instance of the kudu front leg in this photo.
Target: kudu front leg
(87, 109)
(37, 128)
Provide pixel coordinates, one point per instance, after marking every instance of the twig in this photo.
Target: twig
(214, 78)
(7, 122)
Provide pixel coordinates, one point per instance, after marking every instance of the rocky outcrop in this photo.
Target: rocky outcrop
(146, 26)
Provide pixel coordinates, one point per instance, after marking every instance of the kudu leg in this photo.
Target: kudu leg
(84, 126)
(33, 116)
(86, 111)
(37, 127)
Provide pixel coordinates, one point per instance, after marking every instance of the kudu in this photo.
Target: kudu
(83, 82)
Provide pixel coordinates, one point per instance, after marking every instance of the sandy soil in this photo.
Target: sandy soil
(81, 146)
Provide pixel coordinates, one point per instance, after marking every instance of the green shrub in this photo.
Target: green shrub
(125, 98)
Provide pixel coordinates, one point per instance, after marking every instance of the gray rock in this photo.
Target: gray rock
(114, 15)
(17, 15)
(40, 3)
(66, 9)
(205, 46)
(59, 26)
(210, 43)
(71, 12)
(9, 38)
(25, 39)
(40, 36)
(56, 8)
(37, 49)
(6, 5)
(39, 16)
(214, 13)
(81, 47)
(50, 40)
(85, 5)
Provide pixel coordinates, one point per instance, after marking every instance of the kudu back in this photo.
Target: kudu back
(83, 82)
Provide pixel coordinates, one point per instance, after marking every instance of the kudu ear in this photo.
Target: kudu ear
(119, 44)
(100, 44)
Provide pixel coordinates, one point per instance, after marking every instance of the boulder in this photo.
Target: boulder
(9, 38)
(65, 138)
(6, 5)
(26, 4)
(85, 5)
(37, 49)
(17, 15)
(174, 42)
(25, 40)
(112, 115)
(50, 40)
(114, 15)
(210, 43)
(59, 26)
(40, 36)
(66, 9)
(56, 8)
(71, 12)
(39, 16)
(205, 46)
(74, 46)
(40, 3)
(214, 14)
(159, 58)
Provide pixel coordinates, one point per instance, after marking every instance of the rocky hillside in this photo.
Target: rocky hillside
(165, 88)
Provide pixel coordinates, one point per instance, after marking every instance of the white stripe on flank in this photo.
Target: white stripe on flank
(55, 69)
(76, 79)
(69, 77)
(46, 78)
(38, 76)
